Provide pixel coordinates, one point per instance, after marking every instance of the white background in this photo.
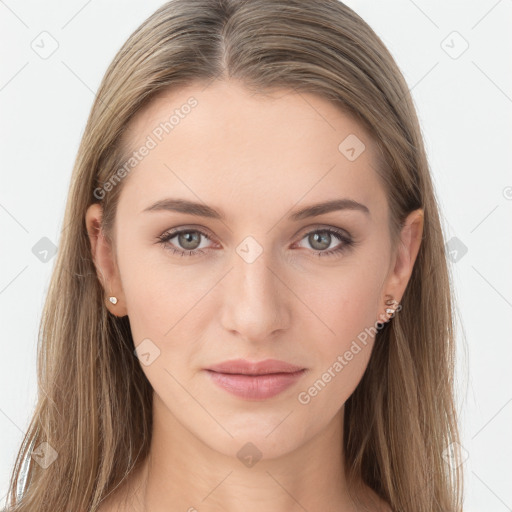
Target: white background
(464, 105)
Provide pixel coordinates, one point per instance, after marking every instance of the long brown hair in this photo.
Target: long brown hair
(94, 404)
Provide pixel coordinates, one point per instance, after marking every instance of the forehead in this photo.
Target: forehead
(223, 142)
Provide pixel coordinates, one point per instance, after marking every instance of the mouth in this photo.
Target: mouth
(255, 381)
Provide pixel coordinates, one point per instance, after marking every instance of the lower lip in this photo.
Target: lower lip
(255, 387)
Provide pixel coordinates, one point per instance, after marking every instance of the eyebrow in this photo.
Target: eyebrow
(203, 210)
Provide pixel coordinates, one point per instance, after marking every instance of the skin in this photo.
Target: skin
(257, 159)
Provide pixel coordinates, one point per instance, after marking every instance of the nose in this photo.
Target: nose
(256, 302)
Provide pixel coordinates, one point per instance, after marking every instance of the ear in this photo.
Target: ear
(402, 262)
(104, 261)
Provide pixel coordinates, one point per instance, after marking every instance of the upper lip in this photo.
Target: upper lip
(242, 366)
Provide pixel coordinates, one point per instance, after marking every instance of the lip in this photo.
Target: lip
(255, 380)
(244, 367)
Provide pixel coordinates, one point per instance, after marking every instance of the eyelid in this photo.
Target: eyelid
(345, 237)
(172, 232)
(180, 229)
(321, 227)
(205, 232)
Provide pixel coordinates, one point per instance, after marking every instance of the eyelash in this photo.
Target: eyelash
(347, 242)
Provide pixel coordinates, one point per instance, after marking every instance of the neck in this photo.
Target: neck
(183, 473)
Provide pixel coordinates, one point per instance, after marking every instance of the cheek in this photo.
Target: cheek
(163, 302)
(347, 304)
(340, 358)
(348, 300)
(160, 297)
(166, 305)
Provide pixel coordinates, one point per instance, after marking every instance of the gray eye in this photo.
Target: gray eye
(189, 240)
(320, 240)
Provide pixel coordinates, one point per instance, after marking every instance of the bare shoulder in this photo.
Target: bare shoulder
(111, 505)
(126, 497)
(372, 502)
(108, 507)
(383, 506)
(114, 502)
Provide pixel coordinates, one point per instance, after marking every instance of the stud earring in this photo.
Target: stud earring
(113, 300)
(394, 305)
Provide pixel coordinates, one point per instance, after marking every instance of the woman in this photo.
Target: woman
(251, 307)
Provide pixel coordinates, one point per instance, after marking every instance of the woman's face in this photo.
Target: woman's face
(251, 277)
